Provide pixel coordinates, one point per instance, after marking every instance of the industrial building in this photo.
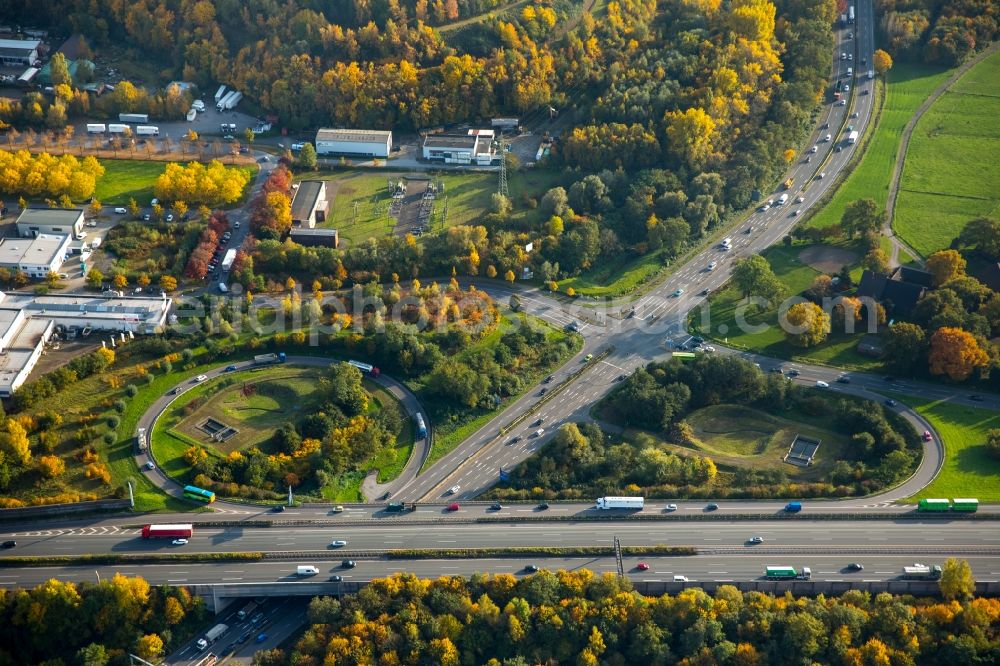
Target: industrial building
(36, 256)
(315, 237)
(28, 320)
(472, 147)
(309, 205)
(19, 52)
(353, 142)
(62, 221)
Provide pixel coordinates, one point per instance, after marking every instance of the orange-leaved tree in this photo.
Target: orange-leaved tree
(955, 353)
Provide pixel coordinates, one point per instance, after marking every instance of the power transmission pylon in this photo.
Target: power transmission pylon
(502, 189)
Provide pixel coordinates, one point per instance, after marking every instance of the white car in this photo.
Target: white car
(711, 266)
(92, 224)
(671, 507)
(814, 150)
(154, 201)
(847, 88)
(338, 543)
(708, 348)
(765, 208)
(201, 378)
(800, 200)
(828, 138)
(80, 236)
(179, 542)
(149, 465)
(795, 213)
(454, 490)
(822, 384)
(120, 210)
(842, 102)
(680, 579)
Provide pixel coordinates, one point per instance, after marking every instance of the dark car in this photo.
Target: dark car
(698, 339)
(496, 506)
(543, 391)
(890, 402)
(794, 373)
(855, 566)
(230, 368)
(530, 568)
(348, 564)
(335, 578)
(712, 507)
(244, 638)
(548, 379)
(703, 292)
(543, 506)
(843, 379)
(8, 544)
(173, 391)
(230, 648)
(976, 398)
(515, 440)
(537, 423)
(620, 378)
(278, 509)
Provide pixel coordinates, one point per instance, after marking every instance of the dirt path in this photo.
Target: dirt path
(897, 170)
(496, 11)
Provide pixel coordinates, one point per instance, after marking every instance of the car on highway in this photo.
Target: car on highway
(170, 217)
(620, 378)
(794, 373)
(670, 507)
(200, 378)
(711, 266)
(338, 509)
(821, 384)
(548, 379)
(678, 292)
(847, 88)
(642, 566)
(843, 379)
(230, 368)
(335, 578)
(843, 102)
(976, 398)
(843, 56)
(865, 91)
(514, 440)
(8, 544)
(261, 637)
(278, 509)
(814, 150)
(537, 423)
(543, 506)
(231, 647)
(454, 506)
(348, 564)
(855, 566)
(927, 436)
(800, 199)
(244, 638)
(121, 210)
(765, 208)
(711, 507)
(530, 568)
(854, 115)
(821, 175)
(543, 391)
(539, 432)
(828, 138)
(795, 213)
(680, 579)
(890, 402)
(703, 292)
(453, 490)
(149, 465)
(338, 543)
(755, 540)
(496, 506)
(179, 542)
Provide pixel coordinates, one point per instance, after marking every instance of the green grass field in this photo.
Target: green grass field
(466, 195)
(725, 318)
(968, 470)
(908, 86)
(125, 179)
(951, 173)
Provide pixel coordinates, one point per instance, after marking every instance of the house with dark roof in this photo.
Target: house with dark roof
(309, 205)
(897, 295)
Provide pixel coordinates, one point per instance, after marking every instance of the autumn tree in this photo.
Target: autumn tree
(945, 265)
(690, 135)
(51, 466)
(877, 261)
(904, 345)
(807, 325)
(956, 579)
(14, 442)
(149, 646)
(168, 283)
(955, 353)
(882, 62)
(307, 156)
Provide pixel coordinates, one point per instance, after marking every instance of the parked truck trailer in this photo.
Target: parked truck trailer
(147, 130)
(133, 117)
(233, 101)
(96, 128)
(227, 261)
(220, 93)
(117, 128)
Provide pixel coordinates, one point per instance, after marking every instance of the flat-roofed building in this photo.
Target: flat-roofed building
(472, 147)
(354, 142)
(138, 314)
(18, 359)
(35, 221)
(36, 256)
(15, 52)
(315, 237)
(309, 204)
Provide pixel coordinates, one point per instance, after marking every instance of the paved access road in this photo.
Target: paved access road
(867, 536)
(697, 569)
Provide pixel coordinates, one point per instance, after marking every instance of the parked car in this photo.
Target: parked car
(121, 210)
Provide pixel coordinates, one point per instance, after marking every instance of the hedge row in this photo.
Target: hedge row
(581, 551)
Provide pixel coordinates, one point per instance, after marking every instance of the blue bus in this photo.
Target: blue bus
(199, 495)
(421, 426)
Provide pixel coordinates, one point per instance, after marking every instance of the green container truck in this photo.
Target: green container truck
(787, 573)
(934, 505)
(967, 505)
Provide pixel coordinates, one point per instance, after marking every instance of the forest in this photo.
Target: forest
(583, 618)
(935, 31)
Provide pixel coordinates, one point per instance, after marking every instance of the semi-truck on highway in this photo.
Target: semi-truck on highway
(177, 531)
(366, 368)
(266, 359)
(140, 439)
(247, 610)
(212, 635)
(922, 572)
(787, 573)
(620, 503)
(852, 138)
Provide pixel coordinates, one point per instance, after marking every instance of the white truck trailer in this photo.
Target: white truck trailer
(620, 503)
(96, 128)
(852, 138)
(227, 261)
(219, 93)
(133, 117)
(922, 572)
(230, 101)
(147, 130)
(212, 635)
(117, 128)
(221, 104)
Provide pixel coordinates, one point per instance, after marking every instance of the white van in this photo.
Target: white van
(306, 571)
(781, 200)
(726, 242)
(680, 579)
(223, 289)
(850, 72)
(539, 432)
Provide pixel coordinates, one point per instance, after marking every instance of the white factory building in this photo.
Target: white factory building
(36, 256)
(19, 52)
(35, 221)
(354, 142)
(28, 320)
(472, 147)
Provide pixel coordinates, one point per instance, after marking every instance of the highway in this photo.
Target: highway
(698, 569)
(909, 535)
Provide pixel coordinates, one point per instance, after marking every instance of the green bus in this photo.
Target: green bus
(967, 505)
(934, 505)
(780, 573)
(199, 495)
(684, 356)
